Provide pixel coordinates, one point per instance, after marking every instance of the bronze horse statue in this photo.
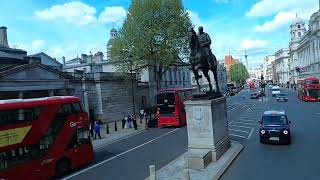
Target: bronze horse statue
(199, 61)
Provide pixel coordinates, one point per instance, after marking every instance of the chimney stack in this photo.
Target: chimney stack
(3, 36)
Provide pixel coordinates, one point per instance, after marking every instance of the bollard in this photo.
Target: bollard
(115, 126)
(186, 175)
(152, 169)
(108, 128)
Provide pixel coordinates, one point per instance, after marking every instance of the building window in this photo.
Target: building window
(299, 26)
(299, 34)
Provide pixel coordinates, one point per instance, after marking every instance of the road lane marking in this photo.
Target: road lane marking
(238, 136)
(241, 126)
(238, 122)
(234, 108)
(250, 133)
(121, 154)
(251, 107)
(238, 130)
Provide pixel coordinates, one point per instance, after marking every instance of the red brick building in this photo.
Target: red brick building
(228, 61)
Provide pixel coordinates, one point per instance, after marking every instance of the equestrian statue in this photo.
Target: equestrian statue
(201, 58)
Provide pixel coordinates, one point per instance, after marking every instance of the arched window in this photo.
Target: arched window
(299, 26)
(299, 34)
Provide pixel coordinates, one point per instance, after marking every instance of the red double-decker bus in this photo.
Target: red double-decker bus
(309, 89)
(43, 138)
(171, 111)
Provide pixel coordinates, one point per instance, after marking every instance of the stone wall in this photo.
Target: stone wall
(114, 92)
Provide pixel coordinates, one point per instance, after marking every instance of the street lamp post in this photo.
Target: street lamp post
(130, 67)
(132, 85)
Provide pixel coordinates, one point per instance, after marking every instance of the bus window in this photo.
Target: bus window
(19, 115)
(76, 108)
(166, 103)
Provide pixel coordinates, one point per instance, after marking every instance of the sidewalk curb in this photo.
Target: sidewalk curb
(218, 168)
(122, 138)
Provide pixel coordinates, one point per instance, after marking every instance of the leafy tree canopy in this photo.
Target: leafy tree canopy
(238, 73)
(154, 34)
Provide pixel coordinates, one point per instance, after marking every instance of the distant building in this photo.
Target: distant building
(23, 76)
(228, 61)
(268, 68)
(305, 48)
(255, 73)
(282, 58)
(106, 87)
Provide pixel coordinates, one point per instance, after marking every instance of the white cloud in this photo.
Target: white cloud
(37, 45)
(113, 14)
(281, 19)
(284, 10)
(81, 14)
(73, 12)
(265, 8)
(195, 18)
(253, 43)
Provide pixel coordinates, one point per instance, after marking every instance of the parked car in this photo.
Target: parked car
(255, 95)
(275, 91)
(282, 97)
(275, 127)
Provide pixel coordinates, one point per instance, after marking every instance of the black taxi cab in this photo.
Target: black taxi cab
(275, 127)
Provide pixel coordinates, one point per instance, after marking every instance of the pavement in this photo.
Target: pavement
(130, 157)
(118, 135)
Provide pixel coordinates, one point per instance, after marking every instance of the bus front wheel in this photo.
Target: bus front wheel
(63, 167)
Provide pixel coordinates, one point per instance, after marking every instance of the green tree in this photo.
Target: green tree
(154, 36)
(238, 73)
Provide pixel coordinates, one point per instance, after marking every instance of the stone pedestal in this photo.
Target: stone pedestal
(207, 125)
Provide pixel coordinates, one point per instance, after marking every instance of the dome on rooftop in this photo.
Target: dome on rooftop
(297, 20)
(113, 30)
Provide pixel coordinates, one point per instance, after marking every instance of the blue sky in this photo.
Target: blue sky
(69, 28)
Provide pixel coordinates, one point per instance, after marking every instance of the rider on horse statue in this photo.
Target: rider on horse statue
(205, 42)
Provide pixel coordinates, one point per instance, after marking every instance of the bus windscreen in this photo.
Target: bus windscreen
(166, 102)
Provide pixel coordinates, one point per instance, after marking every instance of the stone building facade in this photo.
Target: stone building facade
(23, 76)
(282, 58)
(109, 93)
(304, 49)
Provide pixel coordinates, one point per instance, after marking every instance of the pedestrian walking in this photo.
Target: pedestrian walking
(141, 113)
(97, 130)
(124, 120)
(134, 121)
(129, 120)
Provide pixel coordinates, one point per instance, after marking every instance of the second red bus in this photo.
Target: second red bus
(309, 89)
(171, 110)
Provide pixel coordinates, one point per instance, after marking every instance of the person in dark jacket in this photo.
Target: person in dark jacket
(134, 121)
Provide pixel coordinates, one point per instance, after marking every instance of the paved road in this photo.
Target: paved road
(297, 161)
(129, 158)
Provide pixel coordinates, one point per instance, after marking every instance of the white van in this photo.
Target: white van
(275, 90)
